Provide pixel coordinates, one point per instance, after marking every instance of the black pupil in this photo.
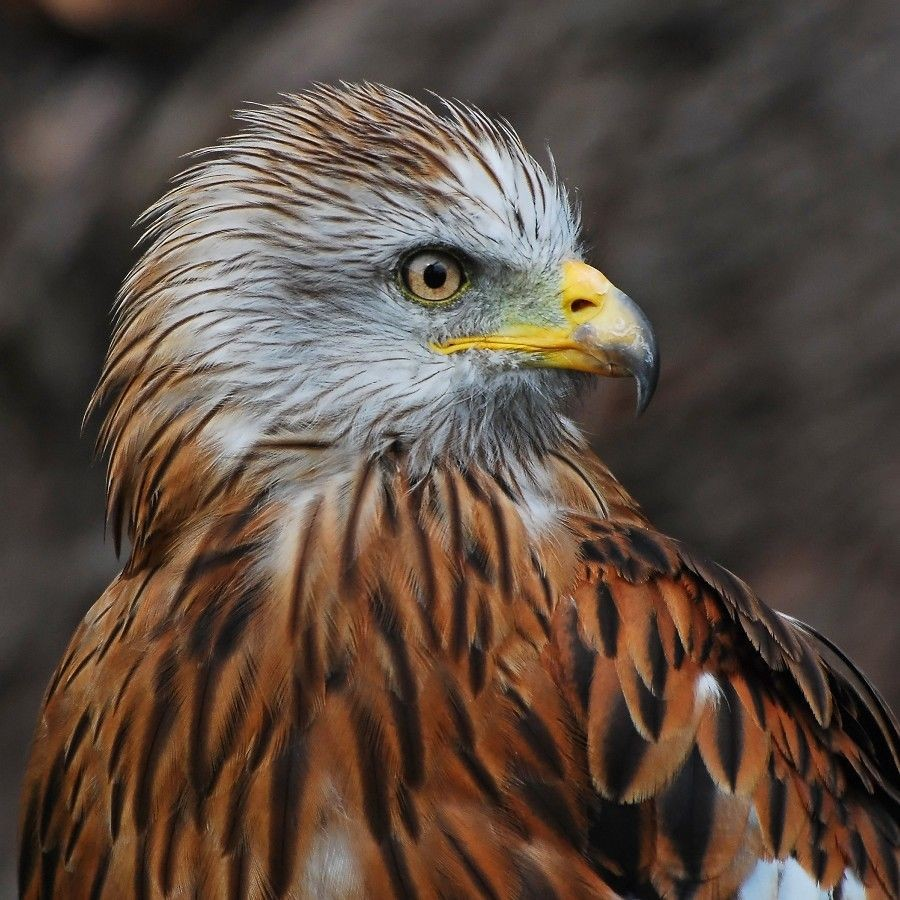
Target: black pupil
(435, 275)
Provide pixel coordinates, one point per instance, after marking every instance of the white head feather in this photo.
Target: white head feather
(269, 290)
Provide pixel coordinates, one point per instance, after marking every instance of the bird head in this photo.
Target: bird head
(358, 267)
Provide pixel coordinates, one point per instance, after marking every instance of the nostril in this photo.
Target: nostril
(581, 304)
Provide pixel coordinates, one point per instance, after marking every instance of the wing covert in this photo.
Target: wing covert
(740, 734)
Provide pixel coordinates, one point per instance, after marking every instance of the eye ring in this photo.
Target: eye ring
(432, 276)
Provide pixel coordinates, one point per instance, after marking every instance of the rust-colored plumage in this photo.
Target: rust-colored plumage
(328, 672)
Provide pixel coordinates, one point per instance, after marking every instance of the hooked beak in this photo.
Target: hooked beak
(604, 332)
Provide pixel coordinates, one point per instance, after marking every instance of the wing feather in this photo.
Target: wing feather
(701, 696)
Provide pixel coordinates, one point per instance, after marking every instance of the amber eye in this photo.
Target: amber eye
(432, 275)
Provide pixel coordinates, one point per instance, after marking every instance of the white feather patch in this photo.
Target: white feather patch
(785, 879)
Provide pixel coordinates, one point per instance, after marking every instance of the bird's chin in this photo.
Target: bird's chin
(516, 381)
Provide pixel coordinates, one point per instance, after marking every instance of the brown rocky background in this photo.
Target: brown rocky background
(738, 168)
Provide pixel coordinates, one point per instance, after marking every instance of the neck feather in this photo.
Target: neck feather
(168, 482)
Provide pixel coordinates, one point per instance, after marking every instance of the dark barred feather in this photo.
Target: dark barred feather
(320, 731)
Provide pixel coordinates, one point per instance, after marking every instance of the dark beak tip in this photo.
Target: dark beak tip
(646, 376)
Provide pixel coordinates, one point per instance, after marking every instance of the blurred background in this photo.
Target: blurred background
(737, 164)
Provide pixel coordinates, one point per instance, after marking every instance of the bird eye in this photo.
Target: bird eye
(432, 275)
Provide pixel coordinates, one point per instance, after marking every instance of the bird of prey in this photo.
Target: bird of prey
(387, 626)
